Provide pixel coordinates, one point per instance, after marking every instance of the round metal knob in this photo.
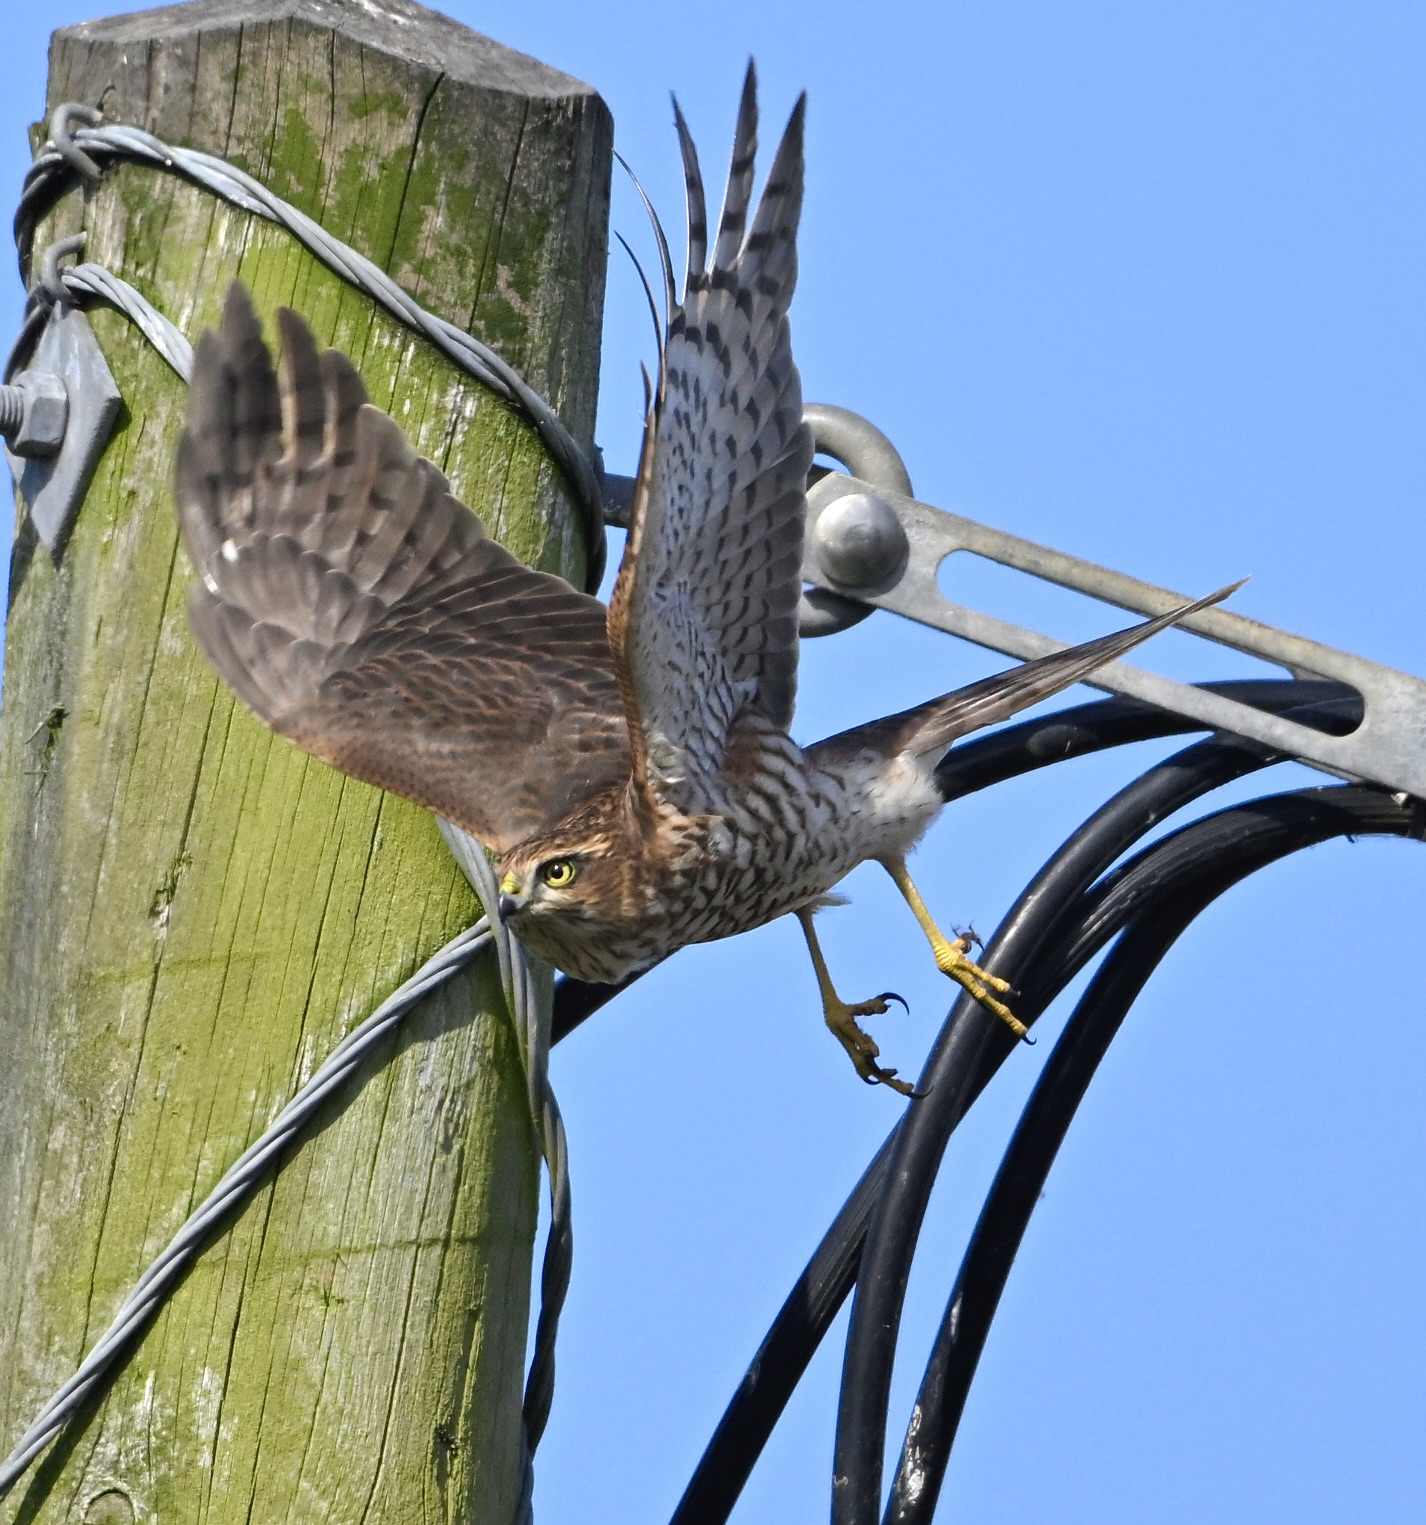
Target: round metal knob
(866, 453)
(860, 542)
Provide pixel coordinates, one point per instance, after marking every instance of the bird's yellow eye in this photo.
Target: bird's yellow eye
(558, 872)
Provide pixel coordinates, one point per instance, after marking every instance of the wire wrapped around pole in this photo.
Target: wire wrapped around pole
(238, 1184)
(528, 989)
(67, 155)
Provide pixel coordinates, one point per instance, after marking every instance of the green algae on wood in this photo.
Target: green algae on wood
(193, 911)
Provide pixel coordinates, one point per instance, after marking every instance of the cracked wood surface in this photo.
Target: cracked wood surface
(193, 911)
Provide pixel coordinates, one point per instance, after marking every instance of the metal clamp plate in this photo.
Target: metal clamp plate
(1389, 747)
(53, 487)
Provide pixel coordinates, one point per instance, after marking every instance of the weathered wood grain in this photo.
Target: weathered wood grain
(191, 911)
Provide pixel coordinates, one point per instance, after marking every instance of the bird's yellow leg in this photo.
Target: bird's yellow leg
(952, 957)
(842, 1018)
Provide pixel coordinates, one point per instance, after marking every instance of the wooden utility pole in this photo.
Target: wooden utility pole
(192, 912)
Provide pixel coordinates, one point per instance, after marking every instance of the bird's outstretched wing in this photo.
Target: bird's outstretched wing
(359, 609)
(704, 616)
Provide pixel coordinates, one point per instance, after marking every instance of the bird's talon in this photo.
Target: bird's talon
(973, 969)
(860, 1046)
(889, 1078)
(891, 995)
(969, 976)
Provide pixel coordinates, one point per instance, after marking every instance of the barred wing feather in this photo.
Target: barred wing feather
(704, 616)
(361, 611)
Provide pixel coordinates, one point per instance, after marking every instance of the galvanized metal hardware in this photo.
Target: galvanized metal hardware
(63, 141)
(1388, 747)
(863, 543)
(34, 410)
(860, 543)
(66, 403)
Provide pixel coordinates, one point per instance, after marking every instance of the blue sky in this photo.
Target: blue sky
(1143, 282)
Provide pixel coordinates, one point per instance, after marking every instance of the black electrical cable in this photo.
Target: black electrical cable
(1229, 837)
(814, 1301)
(824, 1285)
(781, 1359)
(577, 1000)
(1151, 901)
(940, 1400)
(970, 1048)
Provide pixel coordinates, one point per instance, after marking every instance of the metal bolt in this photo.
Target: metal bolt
(34, 411)
(860, 542)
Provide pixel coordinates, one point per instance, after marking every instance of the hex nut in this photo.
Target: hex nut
(43, 416)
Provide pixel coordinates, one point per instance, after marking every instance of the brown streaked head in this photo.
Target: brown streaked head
(573, 872)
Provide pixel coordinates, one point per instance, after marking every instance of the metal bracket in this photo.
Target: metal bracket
(53, 484)
(1388, 747)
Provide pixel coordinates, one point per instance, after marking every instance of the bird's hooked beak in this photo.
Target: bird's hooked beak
(509, 897)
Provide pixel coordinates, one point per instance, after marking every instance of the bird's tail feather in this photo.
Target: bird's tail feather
(1005, 694)
(932, 727)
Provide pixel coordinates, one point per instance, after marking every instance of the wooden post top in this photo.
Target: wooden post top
(397, 27)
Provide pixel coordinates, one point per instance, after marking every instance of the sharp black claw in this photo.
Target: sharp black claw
(1028, 1039)
(891, 995)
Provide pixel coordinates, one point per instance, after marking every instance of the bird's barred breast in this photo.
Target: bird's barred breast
(790, 836)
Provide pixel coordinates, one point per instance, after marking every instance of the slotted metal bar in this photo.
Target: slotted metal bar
(1388, 747)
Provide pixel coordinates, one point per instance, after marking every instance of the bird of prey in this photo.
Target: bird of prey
(630, 768)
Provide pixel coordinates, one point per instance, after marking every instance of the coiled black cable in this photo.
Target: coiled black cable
(1147, 904)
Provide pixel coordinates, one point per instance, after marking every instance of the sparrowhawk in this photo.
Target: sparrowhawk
(630, 767)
